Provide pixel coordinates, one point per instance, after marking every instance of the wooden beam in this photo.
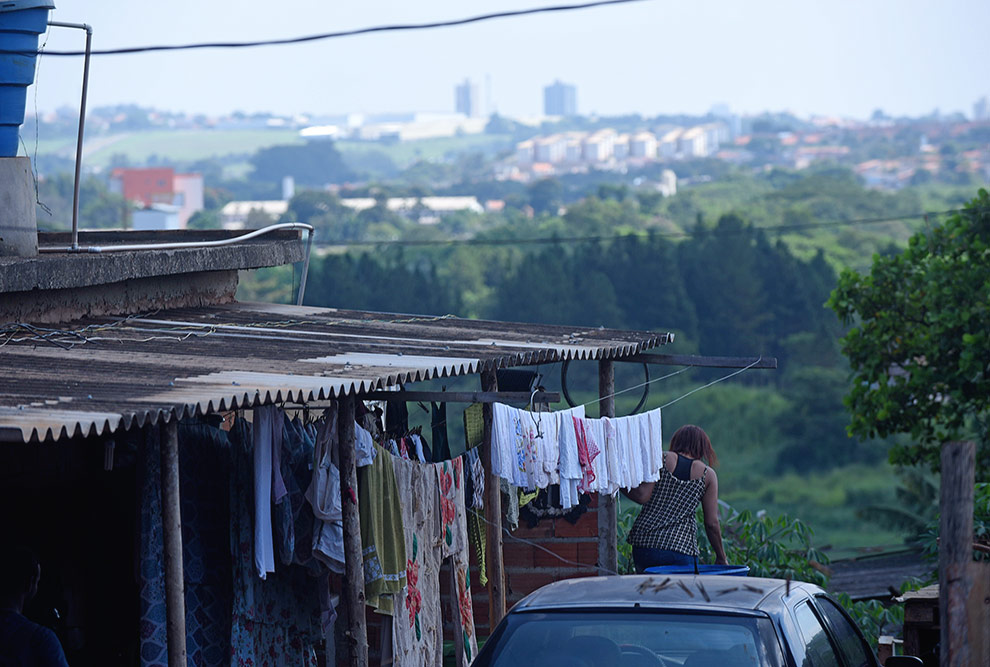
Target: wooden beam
(175, 603)
(608, 506)
(493, 513)
(354, 600)
(701, 361)
(955, 553)
(464, 396)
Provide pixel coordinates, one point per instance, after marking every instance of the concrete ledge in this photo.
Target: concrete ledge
(187, 290)
(56, 271)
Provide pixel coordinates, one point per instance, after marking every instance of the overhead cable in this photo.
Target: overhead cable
(398, 27)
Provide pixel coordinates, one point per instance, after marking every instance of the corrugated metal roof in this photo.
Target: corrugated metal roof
(113, 373)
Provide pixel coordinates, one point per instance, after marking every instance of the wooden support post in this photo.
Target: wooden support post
(175, 603)
(455, 616)
(955, 553)
(493, 513)
(608, 506)
(357, 629)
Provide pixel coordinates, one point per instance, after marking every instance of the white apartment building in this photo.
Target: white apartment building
(620, 150)
(643, 145)
(600, 146)
(693, 143)
(525, 152)
(550, 149)
(667, 146)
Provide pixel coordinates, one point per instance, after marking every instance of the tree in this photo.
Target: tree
(920, 350)
(205, 219)
(546, 196)
(316, 163)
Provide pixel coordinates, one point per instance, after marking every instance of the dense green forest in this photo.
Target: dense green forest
(725, 287)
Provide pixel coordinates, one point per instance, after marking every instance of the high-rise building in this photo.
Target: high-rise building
(466, 99)
(981, 109)
(560, 99)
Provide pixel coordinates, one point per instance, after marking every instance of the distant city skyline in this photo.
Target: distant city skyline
(844, 58)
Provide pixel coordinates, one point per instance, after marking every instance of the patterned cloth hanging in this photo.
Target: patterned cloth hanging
(417, 629)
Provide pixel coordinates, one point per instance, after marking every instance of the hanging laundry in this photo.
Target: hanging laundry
(381, 533)
(526, 445)
(474, 425)
(438, 423)
(588, 454)
(275, 622)
(476, 479)
(454, 543)
(204, 461)
(420, 448)
(396, 418)
(417, 627)
(364, 445)
(267, 436)
(297, 460)
(404, 449)
(323, 495)
(477, 534)
(569, 464)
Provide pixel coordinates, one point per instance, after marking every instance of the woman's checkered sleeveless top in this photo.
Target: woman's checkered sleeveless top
(667, 519)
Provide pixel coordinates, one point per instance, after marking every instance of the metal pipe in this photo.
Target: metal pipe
(305, 269)
(175, 245)
(82, 124)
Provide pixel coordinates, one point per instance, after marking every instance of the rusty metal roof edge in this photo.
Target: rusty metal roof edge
(333, 388)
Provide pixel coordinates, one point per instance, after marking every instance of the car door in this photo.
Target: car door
(851, 644)
(828, 637)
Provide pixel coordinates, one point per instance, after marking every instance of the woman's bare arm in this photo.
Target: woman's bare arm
(640, 494)
(709, 506)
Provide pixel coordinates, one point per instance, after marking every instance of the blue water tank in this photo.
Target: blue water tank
(21, 21)
(731, 570)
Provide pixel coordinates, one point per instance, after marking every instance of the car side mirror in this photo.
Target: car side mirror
(903, 661)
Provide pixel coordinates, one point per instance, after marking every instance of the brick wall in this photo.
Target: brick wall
(528, 568)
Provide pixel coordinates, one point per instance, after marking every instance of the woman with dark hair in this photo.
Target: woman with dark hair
(664, 533)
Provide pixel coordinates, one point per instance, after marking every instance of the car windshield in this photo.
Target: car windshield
(643, 639)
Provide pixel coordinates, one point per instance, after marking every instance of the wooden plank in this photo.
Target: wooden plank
(955, 553)
(493, 513)
(978, 610)
(608, 506)
(701, 361)
(464, 396)
(354, 600)
(175, 603)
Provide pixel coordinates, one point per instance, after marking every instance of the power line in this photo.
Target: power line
(399, 27)
(553, 240)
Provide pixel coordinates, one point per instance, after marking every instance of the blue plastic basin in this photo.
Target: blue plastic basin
(21, 21)
(730, 570)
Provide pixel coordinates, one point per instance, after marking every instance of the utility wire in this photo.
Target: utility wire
(553, 240)
(398, 27)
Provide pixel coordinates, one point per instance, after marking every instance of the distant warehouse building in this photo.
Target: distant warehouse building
(234, 215)
(424, 210)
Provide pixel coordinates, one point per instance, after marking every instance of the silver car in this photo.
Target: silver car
(679, 621)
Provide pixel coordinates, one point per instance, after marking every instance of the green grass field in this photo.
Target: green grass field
(192, 145)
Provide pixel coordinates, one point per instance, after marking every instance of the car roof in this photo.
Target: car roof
(695, 592)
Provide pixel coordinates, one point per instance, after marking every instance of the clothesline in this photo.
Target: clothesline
(725, 377)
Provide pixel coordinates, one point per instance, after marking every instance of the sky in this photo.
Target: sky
(842, 57)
